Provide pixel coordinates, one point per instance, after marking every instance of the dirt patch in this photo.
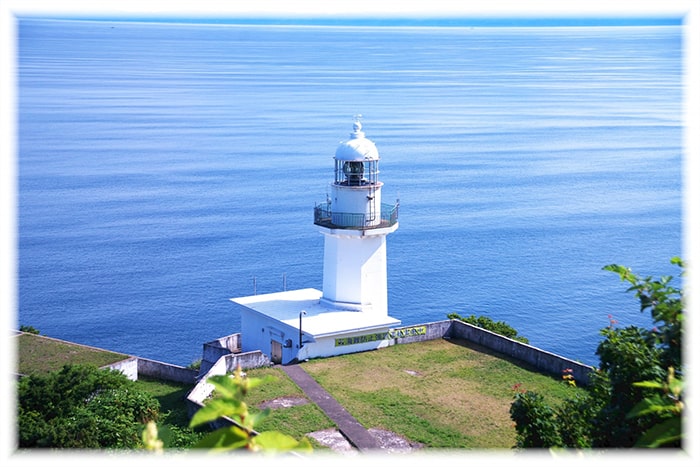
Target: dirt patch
(333, 439)
(283, 402)
(388, 441)
(392, 442)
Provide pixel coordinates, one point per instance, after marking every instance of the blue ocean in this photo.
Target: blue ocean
(166, 168)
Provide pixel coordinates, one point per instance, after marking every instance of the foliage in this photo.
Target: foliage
(29, 329)
(174, 419)
(227, 401)
(158, 437)
(668, 405)
(572, 418)
(625, 357)
(635, 396)
(665, 303)
(538, 425)
(535, 421)
(195, 365)
(637, 372)
(82, 406)
(498, 327)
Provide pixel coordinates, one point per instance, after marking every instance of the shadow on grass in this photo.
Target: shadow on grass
(501, 356)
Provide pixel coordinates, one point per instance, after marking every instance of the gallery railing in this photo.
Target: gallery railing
(324, 216)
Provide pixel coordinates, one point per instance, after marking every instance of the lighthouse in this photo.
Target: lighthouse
(351, 313)
(355, 223)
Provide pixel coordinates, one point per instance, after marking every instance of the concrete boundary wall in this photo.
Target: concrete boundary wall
(540, 359)
(135, 367)
(166, 371)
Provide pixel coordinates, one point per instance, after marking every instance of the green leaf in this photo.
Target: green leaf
(274, 441)
(650, 384)
(216, 408)
(625, 273)
(225, 386)
(227, 438)
(254, 419)
(675, 386)
(649, 405)
(662, 434)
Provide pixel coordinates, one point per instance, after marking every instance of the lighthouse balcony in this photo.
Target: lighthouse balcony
(325, 217)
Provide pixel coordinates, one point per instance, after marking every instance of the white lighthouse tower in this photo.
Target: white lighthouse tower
(355, 224)
(351, 313)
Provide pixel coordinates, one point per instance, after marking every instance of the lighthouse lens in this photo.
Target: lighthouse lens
(353, 171)
(353, 168)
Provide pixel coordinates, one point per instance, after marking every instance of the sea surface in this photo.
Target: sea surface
(166, 168)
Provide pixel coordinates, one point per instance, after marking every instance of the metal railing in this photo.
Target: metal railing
(324, 216)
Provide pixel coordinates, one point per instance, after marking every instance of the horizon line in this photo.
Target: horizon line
(377, 21)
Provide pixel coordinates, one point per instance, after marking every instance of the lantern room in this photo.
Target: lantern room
(355, 200)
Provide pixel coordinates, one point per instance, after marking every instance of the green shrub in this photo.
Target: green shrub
(535, 421)
(82, 406)
(29, 329)
(498, 327)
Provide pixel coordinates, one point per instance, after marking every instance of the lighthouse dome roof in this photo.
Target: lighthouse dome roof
(357, 148)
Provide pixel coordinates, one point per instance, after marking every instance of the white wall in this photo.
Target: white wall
(325, 347)
(354, 271)
(355, 199)
(258, 330)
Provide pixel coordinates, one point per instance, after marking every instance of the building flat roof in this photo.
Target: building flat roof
(320, 319)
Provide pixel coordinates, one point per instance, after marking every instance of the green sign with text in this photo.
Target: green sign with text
(380, 336)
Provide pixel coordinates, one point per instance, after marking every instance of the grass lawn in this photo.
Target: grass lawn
(445, 394)
(39, 354)
(171, 396)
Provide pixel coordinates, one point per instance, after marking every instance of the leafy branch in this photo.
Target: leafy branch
(227, 402)
(667, 405)
(229, 392)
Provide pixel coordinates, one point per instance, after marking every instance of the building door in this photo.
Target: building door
(276, 352)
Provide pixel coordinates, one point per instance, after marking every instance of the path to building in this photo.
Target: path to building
(355, 433)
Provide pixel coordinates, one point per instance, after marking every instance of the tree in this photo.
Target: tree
(635, 396)
(82, 406)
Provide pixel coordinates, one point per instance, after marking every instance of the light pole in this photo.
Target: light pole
(301, 313)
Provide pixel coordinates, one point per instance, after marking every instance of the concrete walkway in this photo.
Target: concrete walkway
(355, 433)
